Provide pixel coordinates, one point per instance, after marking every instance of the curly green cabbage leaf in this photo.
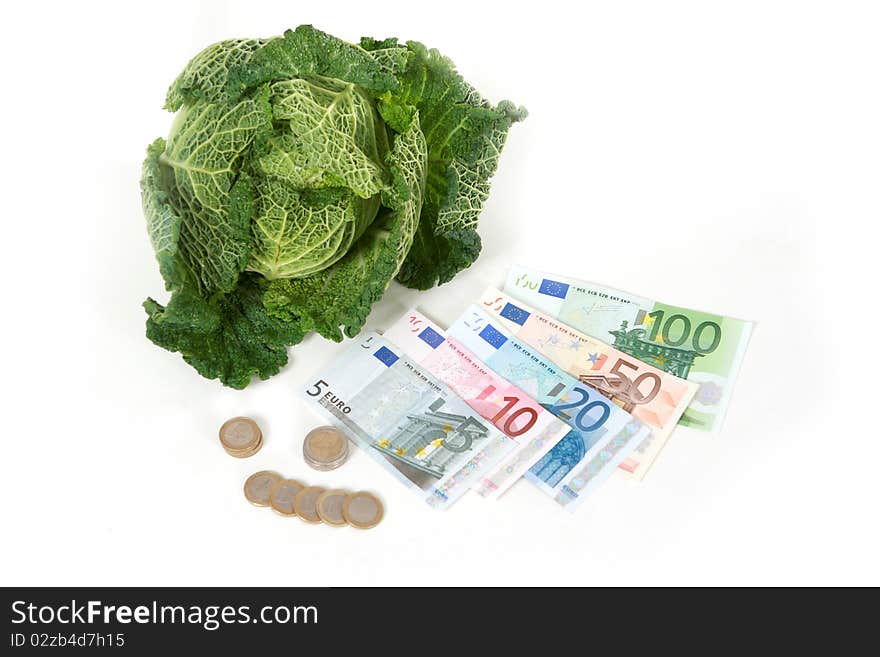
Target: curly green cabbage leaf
(301, 175)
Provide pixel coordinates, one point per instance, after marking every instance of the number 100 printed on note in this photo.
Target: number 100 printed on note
(655, 397)
(701, 347)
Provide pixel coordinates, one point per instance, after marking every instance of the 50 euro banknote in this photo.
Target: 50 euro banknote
(704, 348)
(407, 420)
(534, 430)
(601, 435)
(655, 397)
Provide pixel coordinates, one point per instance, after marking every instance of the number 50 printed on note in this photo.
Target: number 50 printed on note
(602, 435)
(700, 347)
(655, 397)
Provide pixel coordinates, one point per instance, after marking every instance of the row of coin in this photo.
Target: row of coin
(313, 504)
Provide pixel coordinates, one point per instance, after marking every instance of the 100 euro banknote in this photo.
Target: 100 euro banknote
(601, 434)
(701, 347)
(406, 420)
(655, 397)
(521, 418)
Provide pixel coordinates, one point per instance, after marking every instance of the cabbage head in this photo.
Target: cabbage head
(301, 175)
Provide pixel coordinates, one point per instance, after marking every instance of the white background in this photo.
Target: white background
(722, 156)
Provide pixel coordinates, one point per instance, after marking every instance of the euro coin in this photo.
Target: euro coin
(282, 496)
(362, 510)
(241, 437)
(246, 453)
(258, 487)
(305, 503)
(329, 507)
(325, 448)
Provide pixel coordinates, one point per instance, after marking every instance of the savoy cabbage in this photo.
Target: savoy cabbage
(301, 174)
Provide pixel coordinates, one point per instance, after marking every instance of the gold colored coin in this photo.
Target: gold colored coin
(362, 510)
(258, 487)
(283, 495)
(241, 437)
(325, 448)
(329, 507)
(243, 454)
(305, 503)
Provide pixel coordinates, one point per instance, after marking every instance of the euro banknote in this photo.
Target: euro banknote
(655, 397)
(704, 348)
(520, 417)
(601, 434)
(406, 419)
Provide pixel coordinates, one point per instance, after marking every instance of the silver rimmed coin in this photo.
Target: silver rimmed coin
(258, 487)
(325, 448)
(329, 507)
(282, 497)
(362, 510)
(241, 437)
(305, 504)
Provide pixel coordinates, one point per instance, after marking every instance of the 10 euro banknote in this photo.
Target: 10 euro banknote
(406, 420)
(701, 347)
(655, 397)
(520, 417)
(601, 435)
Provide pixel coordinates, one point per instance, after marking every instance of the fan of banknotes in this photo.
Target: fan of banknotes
(553, 380)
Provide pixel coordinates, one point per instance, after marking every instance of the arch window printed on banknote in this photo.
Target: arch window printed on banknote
(407, 420)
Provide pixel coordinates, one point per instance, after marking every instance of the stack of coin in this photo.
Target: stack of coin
(313, 504)
(325, 448)
(241, 437)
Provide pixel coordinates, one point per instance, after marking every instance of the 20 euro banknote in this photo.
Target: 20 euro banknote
(655, 397)
(520, 417)
(601, 435)
(702, 347)
(407, 420)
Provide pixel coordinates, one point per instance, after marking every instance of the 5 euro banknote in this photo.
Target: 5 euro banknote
(655, 397)
(407, 420)
(601, 434)
(704, 348)
(521, 418)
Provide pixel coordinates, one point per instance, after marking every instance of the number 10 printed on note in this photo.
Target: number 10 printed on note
(406, 420)
(526, 422)
(601, 436)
